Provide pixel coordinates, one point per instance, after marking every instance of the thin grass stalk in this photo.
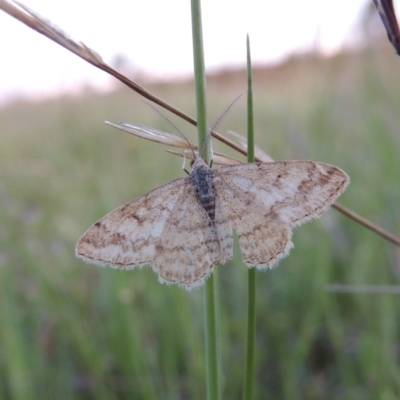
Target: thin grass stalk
(251, 299)
(212, 341)
(210, 292)
(200, 80)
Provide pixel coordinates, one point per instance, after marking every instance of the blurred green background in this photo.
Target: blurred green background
(75, 331)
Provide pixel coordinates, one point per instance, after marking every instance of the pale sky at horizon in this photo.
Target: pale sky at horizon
(156, 36)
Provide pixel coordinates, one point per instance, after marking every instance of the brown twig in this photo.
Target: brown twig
(368, 224)
(388, 16)
(48, 29)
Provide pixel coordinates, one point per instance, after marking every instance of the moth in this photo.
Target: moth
(183, 229)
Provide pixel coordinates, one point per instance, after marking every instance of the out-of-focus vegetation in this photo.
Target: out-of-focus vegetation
(75, 331)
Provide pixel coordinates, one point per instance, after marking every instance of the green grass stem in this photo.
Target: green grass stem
(210, 292)
(251, 300)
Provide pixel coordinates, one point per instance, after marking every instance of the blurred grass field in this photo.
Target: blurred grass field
(75, 331)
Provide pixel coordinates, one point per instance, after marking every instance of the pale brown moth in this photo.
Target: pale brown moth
(185, 227)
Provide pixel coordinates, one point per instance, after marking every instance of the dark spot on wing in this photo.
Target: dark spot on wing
(116, 238)
(123, 208)
(159, 247)
(137, 218)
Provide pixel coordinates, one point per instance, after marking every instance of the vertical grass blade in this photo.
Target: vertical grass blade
(251, 301)
(210, 292)
(212, 342)
(200, 77)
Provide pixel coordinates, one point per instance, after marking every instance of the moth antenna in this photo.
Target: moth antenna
(203, 148)
(177, 129)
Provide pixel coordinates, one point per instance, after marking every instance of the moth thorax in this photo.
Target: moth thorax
(201, 178)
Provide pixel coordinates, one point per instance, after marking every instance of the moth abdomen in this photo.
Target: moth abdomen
(202, 180)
